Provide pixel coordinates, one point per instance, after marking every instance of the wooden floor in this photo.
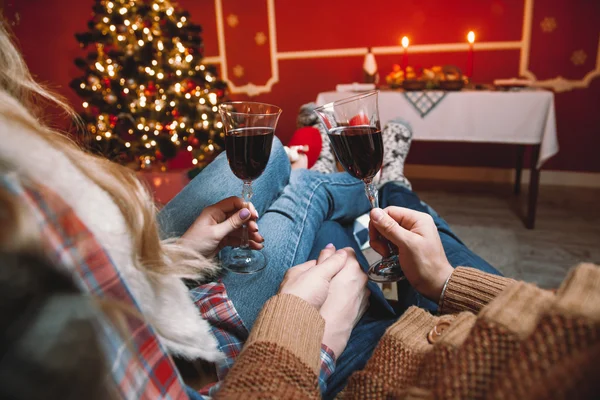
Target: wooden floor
(489, 220)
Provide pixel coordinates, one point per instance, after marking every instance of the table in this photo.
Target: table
(525, 118)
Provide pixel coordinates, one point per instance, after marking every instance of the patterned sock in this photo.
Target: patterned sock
(326, 161)
(307, 117)
(397, 137)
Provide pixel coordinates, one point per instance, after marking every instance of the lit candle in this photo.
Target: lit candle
(405, 55)
(471, 39)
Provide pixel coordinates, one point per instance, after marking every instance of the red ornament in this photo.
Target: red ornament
(175, 113)
(106, 82)
(191, 84)
(194, 142)
(159, 156)
(112, 120)
(220, 93)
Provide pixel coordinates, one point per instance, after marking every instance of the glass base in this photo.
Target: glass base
(386, 270)
(244, 261)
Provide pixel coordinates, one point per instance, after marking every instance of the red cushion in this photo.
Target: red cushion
(308, 136)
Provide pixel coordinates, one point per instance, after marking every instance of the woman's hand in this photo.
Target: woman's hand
(220, 225)
(347, 301)
(310, 281)
(420, 249)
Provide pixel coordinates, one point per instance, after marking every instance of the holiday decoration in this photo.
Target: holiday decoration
(370, 68)
(470, 55)
(147, 95)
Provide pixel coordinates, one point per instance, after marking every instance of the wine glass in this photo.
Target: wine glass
(354, 131)
(249, 129)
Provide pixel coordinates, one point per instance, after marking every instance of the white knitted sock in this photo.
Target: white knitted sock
(397, 137)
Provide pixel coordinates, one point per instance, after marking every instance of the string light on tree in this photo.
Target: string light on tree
(143, 76)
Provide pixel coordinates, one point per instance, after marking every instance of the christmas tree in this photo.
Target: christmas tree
(146, 93)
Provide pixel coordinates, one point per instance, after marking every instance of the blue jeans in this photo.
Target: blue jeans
(292, 206)
(372, 326)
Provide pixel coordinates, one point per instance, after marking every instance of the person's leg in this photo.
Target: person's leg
(289, 227)
(372, 325)
(215, 183)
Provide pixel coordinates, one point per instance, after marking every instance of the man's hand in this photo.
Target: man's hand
(420, 249)
(220, 225)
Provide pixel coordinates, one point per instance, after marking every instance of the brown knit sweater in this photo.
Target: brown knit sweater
(496, 338)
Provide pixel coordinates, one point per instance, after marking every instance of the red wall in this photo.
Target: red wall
(46, 31)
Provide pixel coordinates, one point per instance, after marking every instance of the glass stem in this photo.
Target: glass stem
(372, 193)
(246, 196)
(373, 196)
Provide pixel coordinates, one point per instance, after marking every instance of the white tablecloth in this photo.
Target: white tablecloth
(524, 117)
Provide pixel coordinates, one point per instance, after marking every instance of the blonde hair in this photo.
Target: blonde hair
(23, 100)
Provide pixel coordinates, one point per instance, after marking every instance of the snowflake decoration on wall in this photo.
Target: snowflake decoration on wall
(548, 24)
(238, 71)
(578, 57)
(260, 38)
(233, 20)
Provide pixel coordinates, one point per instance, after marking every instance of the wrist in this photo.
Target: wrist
(439, 282)
(336, 338)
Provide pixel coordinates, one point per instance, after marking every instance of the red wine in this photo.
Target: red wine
(359, 149)
(248, 151)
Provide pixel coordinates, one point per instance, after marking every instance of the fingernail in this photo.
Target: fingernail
(329, 246)
(377, 214)
(244, 214)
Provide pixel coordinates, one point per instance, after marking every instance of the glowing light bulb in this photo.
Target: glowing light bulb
(204, 117)
(194, 161)
(219, 124)
(145, 137)
(111, 73)
(156, 132)
(171, 61)
(125, 90)
(161, 47)
(153, 143)
(147, 129)
(98, 137)
(160, 75)
(178, 87)
(170, 11)
(182, 125)
(183, 19)
(178, 72)
(123, 11)
(127, 22)
(112, 28)
(211, 147)
(178, 58)
(202, 67)
(82, 85)
(215, 109)
(134, 27)
(110, 5)
(209, 78)
(127, 144)
(189, 148)
(99, 67)
(202, 100)
(179, 25)
(105, 20)
(154, 62)
(172, 104)
(141, 42)
(158, 108)
(191, 130)
(213, 98)
(189, 58)
(85, 104)
(155, 7)
(188, 96)
(148, 146)
(140, 127)
(108, 134)
(150, 38)
(120, 38)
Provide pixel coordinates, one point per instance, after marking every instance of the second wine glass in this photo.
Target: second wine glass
(249, 129)
(354, 131)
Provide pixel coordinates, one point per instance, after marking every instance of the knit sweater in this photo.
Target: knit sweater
(494, 338)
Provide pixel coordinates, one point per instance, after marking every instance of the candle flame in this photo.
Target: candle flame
(471, 37)
(405, 42)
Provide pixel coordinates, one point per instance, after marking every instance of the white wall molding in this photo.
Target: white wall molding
(559, 84)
